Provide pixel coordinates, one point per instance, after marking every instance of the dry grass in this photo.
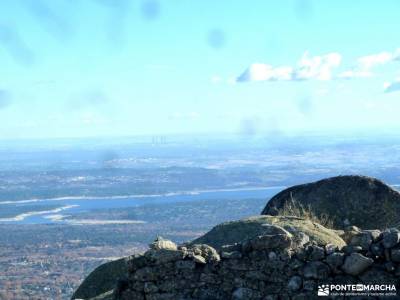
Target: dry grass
(295, 208)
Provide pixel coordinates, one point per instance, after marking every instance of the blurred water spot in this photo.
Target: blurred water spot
(5, 99)
(249, 126)
(303, 9)
(151, 9)
(216, 38)
(117, 12)
(305, 105)
(52, 22)
(15, 46)
(258, 126)
(273, 127)
(109, 159)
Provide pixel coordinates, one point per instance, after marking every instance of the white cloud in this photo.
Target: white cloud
(365, 64)
(282, 73)
(370, 61)
(390, 87)
(316, 67)
(319, 68)
(264, 72)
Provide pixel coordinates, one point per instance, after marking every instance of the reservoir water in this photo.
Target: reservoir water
(74, 205)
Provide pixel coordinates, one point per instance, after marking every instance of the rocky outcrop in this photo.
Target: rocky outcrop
(269, 266)
(303, 230)
(347, 200)
(273, 265)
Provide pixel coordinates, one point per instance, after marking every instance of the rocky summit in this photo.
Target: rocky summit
(362, 201)
(261, 257)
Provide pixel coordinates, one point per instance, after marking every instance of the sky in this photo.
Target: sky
(111, 68)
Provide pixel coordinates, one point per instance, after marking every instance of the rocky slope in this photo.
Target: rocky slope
(348, 200)
(267, 257)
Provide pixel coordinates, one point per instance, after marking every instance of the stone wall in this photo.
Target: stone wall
(278, 266)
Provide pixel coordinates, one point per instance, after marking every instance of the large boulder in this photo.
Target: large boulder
(102, 280)
(233, 232)
(346, 200)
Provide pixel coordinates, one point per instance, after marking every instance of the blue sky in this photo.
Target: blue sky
(76, 68)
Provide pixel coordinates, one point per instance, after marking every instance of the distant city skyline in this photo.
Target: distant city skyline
(124, 68)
